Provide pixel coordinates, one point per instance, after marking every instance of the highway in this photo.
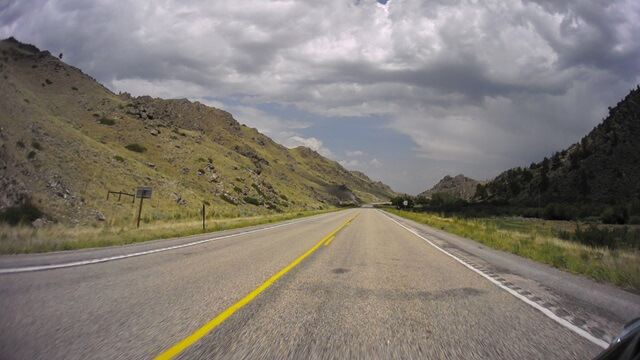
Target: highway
(357, 283)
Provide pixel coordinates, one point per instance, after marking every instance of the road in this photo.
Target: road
(357, 283)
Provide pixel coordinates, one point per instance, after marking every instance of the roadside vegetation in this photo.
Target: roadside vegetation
(609, 253)
(24, 238)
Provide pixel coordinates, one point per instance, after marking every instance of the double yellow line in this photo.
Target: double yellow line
(191, 339)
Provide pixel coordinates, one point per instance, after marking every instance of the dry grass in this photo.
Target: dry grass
(26, 239)
(535, 240)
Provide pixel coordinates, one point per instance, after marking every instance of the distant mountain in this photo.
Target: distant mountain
(459, 186)
(603, 167)
(65, 140)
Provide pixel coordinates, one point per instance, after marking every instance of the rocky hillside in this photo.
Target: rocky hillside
(65, 140)
(459, 186)
(603, 167)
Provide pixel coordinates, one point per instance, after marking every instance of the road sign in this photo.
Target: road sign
(144, 193)
(405, 203)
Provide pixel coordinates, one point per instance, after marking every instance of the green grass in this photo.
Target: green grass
(26, 239)
(537, 240)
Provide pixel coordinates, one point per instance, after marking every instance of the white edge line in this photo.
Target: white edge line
(119, 257)
(533, 304)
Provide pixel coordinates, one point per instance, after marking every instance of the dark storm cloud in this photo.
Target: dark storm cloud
(469, 82)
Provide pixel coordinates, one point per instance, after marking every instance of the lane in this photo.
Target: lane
(135, 308)
(378, 291)
(373, 289)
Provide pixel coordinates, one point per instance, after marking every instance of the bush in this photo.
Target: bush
(227, 199)
(118, 158)
(36, 145)
(74, 88)
(105, 121)
(615, 215)
(284, 197)
(252, 201)
(237, 190)
(20, 144)
(24, 213)
(136, 148)
(257, 189)
(31, 154)
(48, 82)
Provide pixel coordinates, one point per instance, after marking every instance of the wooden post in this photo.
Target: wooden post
(203, 216)
(108, 193)
(140, 211)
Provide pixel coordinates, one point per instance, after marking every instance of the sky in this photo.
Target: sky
(407, 91)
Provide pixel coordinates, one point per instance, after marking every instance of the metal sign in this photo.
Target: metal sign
(144, 193)
(405, 203)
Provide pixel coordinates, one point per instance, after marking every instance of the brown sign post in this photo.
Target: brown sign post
(142, 193)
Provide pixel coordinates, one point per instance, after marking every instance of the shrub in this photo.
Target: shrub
(257, 189)
(135, 147)
(105, 121)
(36, 145)
(615, 215)
(31, 154)
(48, 82)
(227, 199)
(252, 201)
(283, 197)
(20, 144)
(237, 190)
(118, 158)
(24, 213)
(74, 88)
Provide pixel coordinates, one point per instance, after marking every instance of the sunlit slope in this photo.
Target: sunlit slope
(67, 140)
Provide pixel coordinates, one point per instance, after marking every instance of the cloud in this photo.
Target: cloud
(497, 83)
(375, 163)
(353, 153)
(351, 164)
(312, 143)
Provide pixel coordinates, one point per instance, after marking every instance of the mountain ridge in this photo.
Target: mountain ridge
(67, 139)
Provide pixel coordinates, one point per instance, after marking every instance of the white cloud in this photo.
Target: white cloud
(375, 163)
(312, 143)
(354, 153)
(468, 82)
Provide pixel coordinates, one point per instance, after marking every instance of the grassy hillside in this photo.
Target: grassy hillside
(597, 175)
(65, 140)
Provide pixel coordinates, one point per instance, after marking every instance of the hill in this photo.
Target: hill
(65, 140)
(459, 186)
(604, 167)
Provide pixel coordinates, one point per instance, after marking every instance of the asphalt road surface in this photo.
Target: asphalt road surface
(357, 283)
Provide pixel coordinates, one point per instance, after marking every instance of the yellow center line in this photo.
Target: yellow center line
(329, 241)
(198, 334)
